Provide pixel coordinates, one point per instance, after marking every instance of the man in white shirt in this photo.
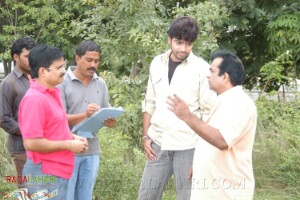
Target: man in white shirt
(168, 142)
(222, 166)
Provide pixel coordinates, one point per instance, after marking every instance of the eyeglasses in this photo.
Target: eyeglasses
(61, 68)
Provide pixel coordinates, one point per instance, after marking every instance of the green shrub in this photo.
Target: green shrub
(276, 150)
(128, 93)
(121, 167)
(275, 153)
(6, 166)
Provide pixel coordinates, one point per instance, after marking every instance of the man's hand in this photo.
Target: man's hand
(91, 109)
(78, 145)
(179, 107)
(76, 137)
(149, 151)
(191, 172)
(111, 122)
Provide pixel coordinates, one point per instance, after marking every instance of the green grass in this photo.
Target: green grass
(121, 170)
(272, 193)
(6, 166)
(117, 158)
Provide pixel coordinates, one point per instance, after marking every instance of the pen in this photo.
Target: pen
(90, 103)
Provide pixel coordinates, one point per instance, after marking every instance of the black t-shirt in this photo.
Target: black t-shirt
(172, 67)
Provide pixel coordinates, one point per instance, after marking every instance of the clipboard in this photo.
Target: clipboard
(91, 125)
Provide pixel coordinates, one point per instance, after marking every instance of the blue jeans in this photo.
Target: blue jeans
(157, 174)
(83, 179)
(41, 185)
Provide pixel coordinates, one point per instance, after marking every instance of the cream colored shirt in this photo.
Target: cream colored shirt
(227, 174)
(190, 83)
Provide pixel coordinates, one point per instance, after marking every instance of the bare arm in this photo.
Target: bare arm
(205, 131)
(44, 145)
(74, 119)
(208, 133)
(148, 107)
(147, 141)
(146, 123)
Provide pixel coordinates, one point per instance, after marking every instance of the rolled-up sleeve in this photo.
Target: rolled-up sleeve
(148, 104)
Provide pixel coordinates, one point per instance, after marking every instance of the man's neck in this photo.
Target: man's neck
(84, 79)
(43, 83)
(25, 72)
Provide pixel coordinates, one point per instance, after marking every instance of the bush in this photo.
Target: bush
(122, 160)
(275, 153)
(276, 150)
(6, 168)
(121, 167)
(128, 93)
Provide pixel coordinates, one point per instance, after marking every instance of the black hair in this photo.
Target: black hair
(184, 28)
(85, 46)
(43, 56)
(19, 44)
(232, 65)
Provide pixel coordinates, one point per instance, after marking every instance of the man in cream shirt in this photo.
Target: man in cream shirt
(222, 167)
(168, 142)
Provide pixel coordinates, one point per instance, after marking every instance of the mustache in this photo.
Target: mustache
(92, 68)
(182, 52)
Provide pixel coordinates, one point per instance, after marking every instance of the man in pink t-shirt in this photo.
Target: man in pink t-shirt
(49, 144)
(222, 165)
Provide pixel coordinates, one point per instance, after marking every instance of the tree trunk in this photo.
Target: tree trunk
(7, 67)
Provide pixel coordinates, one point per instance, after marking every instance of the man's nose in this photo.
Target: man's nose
(94, 64)
(183, 47)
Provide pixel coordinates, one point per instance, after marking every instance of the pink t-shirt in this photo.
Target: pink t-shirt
(41, 115)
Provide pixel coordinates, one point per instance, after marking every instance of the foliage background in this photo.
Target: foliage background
(275, 155)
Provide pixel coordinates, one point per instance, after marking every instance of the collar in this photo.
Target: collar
(41, 88)
(18, 73)
(232, 91)
(166, 55)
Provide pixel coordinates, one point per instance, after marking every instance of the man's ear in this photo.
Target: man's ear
(169, 40)
(77, 58)
(16, 57)
(226, 77)
(42, 71)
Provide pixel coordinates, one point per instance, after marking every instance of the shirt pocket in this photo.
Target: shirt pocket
(158, 85)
